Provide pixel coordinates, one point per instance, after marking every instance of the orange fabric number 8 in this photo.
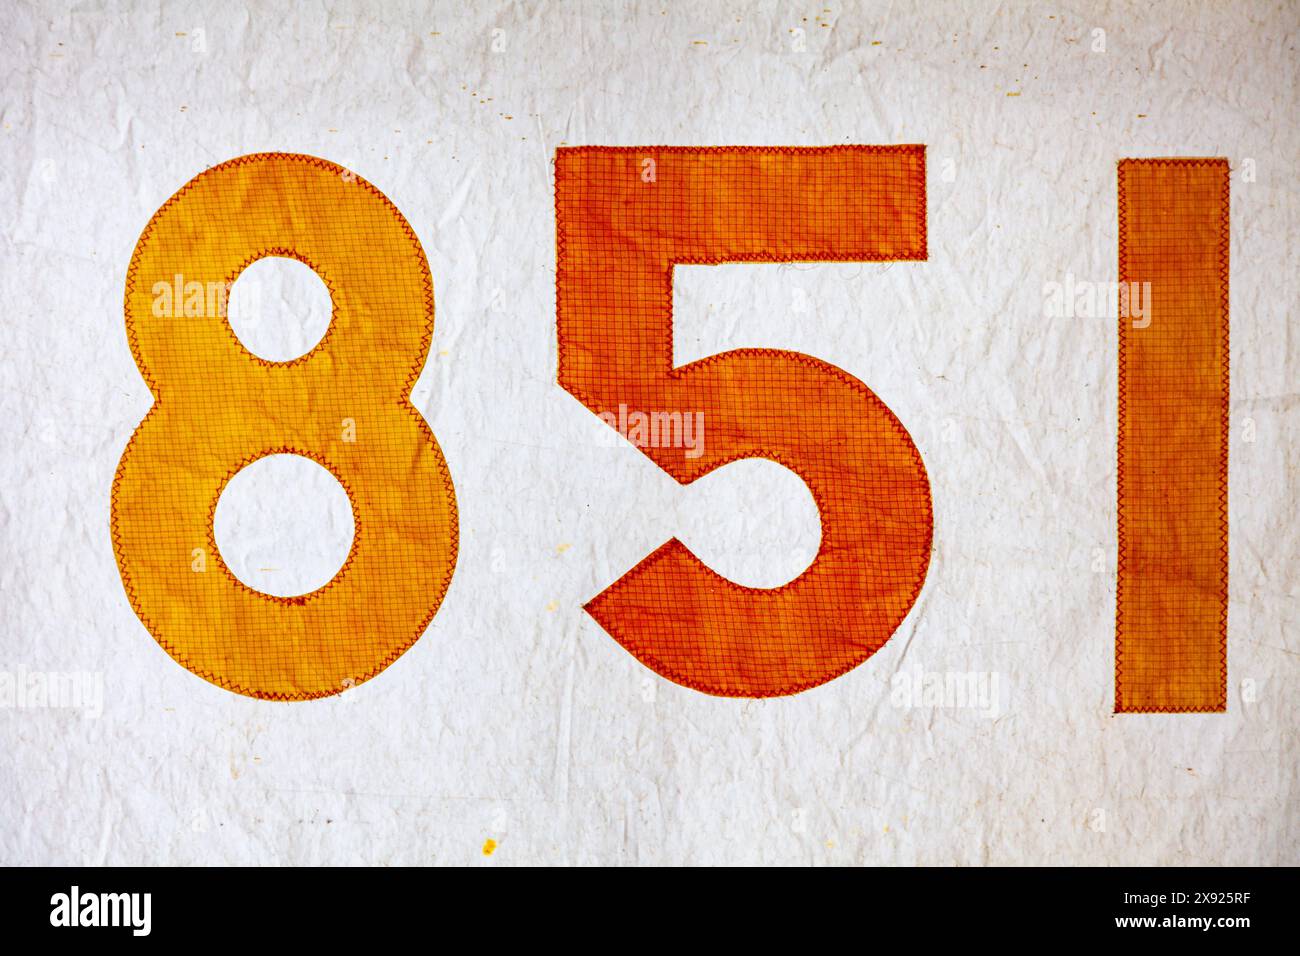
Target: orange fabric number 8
(624, 218)
(344, 404)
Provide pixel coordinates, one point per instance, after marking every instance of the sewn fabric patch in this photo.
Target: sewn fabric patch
(624, 218)
(344, 404)
(1172, 590)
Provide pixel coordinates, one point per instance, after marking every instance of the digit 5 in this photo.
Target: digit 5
(624, 219)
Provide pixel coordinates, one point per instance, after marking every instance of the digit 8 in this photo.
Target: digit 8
(217, 408)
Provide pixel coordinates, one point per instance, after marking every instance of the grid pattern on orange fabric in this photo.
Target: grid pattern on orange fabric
(624, 218)
(217, 408)
(1172, 586)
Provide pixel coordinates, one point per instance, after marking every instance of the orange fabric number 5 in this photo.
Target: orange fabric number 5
(344, 404)
(624, 218)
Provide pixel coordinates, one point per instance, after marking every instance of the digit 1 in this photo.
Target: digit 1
(1172, 478)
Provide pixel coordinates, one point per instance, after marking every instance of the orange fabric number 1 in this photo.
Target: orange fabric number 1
(1172, 590)
(217, 408)
(624, 218)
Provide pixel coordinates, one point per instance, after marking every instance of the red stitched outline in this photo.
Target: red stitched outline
(920, 254)
(296, 599)
(282, 252)
(1225, 221)
(403, 402)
